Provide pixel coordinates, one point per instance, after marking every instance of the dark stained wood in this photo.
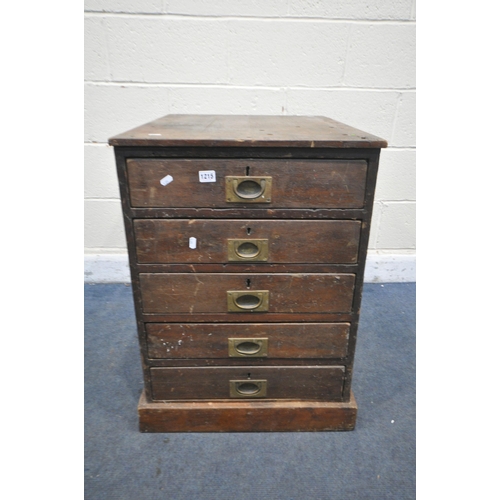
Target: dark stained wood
(278, 141)
(247, 317)
(243, 213)
(200, 362)
(295, 183)
(207, 293)
(363, 251)
(238, 267)
(310, 340)
(247, 416)
(241, 131)
(289, 241)
(283, 382)
(262, 153)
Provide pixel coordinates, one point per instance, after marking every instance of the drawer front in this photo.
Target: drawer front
(296, 382)
(256, 340)
(177, 183)
(273, 241)
(243, 293)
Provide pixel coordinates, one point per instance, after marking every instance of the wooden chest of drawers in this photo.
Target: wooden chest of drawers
(247, 239)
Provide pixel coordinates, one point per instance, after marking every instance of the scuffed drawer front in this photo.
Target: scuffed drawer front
(256, 340)
(216, 183)
(275, 241)
(295, 382)
(164, 293)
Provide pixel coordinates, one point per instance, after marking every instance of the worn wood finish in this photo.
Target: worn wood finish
(283, 382)
(240, 131)
(242, 213)
(207, 293)
(201, 362)
(249, 317)
(264, 141)
(247, 416)
(209, 340)
(289, 241)
(247, 152)
(249, 267)
(295, 183)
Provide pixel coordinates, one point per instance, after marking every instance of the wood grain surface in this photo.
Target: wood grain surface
(289, 241)
(247, 416)
(295, 183)
(210, 340)
(207, 293)
(283, 382)
(316, 227)
(247, 130)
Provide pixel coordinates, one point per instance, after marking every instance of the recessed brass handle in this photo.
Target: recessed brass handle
(246, 189)
(247, 348)
(256, 250)
(248, 388)
(247, 301)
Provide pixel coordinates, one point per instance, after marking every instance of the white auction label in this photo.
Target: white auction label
(166, 180)
(207, 175)
(192, 242)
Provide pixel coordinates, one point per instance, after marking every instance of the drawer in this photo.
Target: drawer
(256, 340)
(266, 183)
(276, 241)
(244, 293)
(291, 382)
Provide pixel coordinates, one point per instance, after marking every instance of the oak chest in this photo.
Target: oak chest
(247, 240)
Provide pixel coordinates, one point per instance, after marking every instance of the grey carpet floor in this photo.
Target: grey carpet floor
(375, 461)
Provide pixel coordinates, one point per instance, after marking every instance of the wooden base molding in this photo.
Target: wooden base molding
(246, 416)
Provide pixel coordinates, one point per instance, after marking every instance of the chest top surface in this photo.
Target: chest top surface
(247, 131)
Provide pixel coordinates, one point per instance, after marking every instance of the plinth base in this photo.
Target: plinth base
(246, 416)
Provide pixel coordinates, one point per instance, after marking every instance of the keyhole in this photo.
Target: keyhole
(248, 283)
(248, 171)
(249, 375)
(249, 230)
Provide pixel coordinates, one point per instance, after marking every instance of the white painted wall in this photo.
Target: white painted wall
(351, 60)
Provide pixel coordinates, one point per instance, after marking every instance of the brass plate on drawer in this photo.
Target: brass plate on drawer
(246, 189)
(248, 388)
(247, 348)
(247, 300)
(255, 250)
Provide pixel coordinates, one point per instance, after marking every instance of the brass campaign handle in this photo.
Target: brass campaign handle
(247, 301)
(248, 388)
(246, 189)
(256, 250)
(247, 348)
